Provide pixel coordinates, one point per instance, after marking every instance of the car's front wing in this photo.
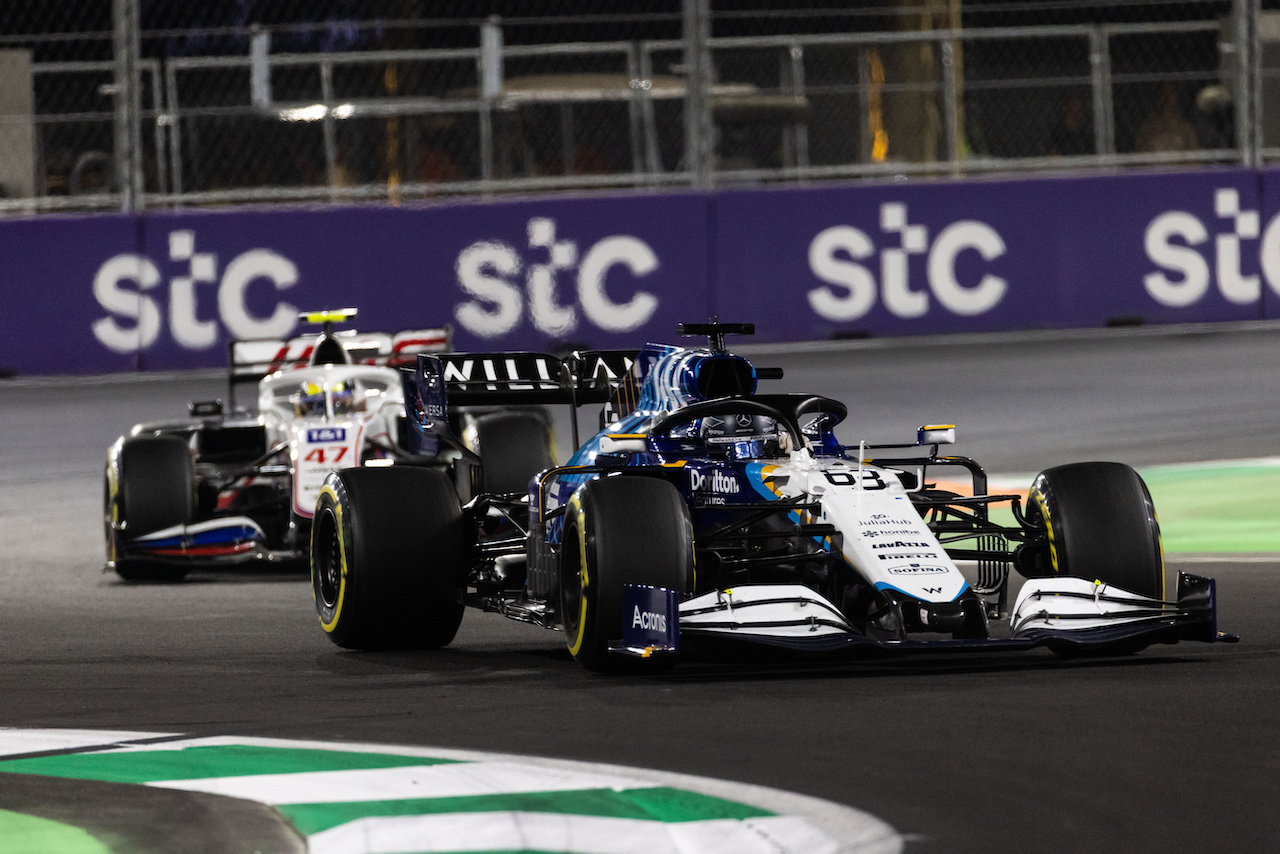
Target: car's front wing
(222, 540)
(1066, 614)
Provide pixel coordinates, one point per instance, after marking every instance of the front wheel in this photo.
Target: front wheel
(1101, 525)
(619, 531)
(152, 488)
(390, 549)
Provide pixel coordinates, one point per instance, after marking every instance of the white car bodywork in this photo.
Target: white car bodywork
(352, 421)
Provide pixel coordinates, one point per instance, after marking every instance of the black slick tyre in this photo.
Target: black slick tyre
(154, 489)
(512, 445)
(619, 531)
(390, 549)
(1101, 525)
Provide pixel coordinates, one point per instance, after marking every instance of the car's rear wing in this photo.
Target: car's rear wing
(440, 382)
(249, 360)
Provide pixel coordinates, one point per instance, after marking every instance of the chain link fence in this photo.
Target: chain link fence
(150, 103)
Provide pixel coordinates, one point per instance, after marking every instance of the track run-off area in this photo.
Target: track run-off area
(136, 715)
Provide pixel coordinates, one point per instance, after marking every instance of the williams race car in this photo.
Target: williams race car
(705, 511)
(232, 485)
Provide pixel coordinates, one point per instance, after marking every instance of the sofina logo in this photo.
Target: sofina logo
(851, 287)
(1172, 242)
(124, 287)
(491, 273)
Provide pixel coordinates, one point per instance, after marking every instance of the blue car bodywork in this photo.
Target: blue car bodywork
(707, 510)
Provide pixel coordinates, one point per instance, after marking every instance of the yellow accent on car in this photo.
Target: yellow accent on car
(342, 559)
(1038, 497)
(766, 472)
(575, 504)
(333, 315)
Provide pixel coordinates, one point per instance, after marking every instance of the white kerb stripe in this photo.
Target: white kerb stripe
(413, 781)
(15, 742)
(571, 834)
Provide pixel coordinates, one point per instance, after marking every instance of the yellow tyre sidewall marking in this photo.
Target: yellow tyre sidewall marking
(1038, 497)
(113, 499)
(575, 644)
(333, 621)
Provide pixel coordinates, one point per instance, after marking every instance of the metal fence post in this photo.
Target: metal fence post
(1248, 82)
(491, 85)
(128, 148)
(698, 143)
(1104, 133)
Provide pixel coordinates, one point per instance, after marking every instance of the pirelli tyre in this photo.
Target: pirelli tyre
(390, 548)
(152, 487)
(513, 446)
(619, 531)
(1100, 525)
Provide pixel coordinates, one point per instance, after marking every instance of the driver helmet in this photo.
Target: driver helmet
(741, 435)
(309, 401)
(344, 398)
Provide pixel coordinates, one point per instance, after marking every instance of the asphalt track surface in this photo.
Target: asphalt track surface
(1174, 749)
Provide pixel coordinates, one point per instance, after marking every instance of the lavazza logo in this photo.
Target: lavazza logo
(557, 289)
(1178, 242)
(125, 285)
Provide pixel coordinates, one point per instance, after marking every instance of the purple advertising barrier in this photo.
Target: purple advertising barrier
(603, 271)
(47, 277)
(926, 257)
(1270, 243)
(169, 290)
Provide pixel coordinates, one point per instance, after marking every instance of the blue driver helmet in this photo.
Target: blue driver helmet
(741, 436)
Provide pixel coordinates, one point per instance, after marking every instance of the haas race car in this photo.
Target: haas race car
(233, 485)
(706, 511)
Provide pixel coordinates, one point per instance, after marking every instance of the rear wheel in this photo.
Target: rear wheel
(1102, 525)
(619, 531)
(155, 489)
(513, 446)
(390, 548)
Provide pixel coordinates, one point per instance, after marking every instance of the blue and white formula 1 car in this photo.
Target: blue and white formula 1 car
(241, 485)
(707, 511)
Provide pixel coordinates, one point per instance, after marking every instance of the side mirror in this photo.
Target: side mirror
(205, 408)
(624, 443)
(936, 434)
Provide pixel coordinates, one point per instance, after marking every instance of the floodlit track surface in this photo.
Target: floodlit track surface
(1174, 749)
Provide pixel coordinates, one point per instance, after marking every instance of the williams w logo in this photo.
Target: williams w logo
(933, 590)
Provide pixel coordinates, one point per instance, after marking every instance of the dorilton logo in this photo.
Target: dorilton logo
(717, 481)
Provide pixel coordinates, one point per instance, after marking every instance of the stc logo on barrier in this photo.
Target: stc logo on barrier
(143, 320)
(1170, 240)
(488, 270)
(835, 252)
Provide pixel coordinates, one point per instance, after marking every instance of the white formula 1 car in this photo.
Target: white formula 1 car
(232, 485)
